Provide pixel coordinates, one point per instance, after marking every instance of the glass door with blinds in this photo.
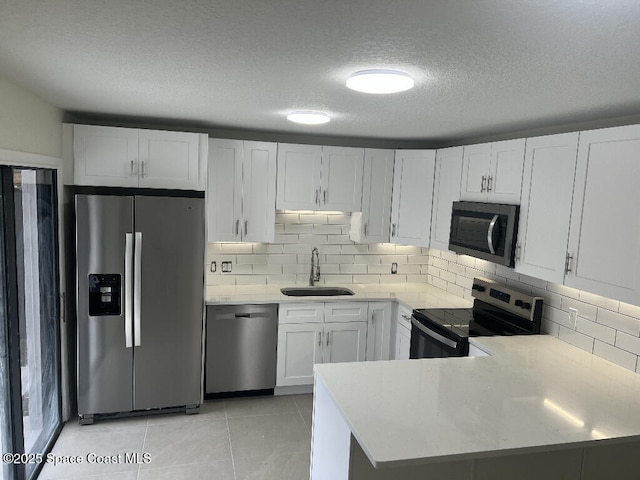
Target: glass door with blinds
(30, 394)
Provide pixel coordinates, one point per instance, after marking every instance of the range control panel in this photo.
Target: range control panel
(105, 294)
(519, 303)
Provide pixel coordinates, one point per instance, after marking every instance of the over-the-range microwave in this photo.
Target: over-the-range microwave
(484, 230)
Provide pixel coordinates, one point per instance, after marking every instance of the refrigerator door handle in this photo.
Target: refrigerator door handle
(137, 287)
(128, 281)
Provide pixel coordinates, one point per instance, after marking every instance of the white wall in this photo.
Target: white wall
(28, 123)
(287, 261)
(607, 328)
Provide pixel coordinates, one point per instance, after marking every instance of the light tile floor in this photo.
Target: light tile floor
(257, 438)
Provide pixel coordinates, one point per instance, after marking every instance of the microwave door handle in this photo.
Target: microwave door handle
(434, 335)
(492, 225)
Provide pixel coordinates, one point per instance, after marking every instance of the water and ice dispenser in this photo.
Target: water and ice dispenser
(105, 294)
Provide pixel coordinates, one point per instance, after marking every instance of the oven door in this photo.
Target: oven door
(427, 343)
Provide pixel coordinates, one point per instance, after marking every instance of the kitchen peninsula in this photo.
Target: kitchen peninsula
(535, 408)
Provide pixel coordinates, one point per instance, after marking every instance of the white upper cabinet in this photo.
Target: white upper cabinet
(448, 175)
(127, 157)
(545, 208)
(105, 156)
(168, 160)
(604, 236)
(413, 175)
(312, 177)
(241, 191)
(298, 176)
(492, 172)
(372, 224)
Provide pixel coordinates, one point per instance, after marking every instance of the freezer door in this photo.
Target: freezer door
(105, 363)
(169, 255)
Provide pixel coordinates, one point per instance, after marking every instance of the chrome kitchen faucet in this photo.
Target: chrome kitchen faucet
(315, 267)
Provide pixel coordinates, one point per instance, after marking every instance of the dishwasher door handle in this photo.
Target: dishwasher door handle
(252, 315)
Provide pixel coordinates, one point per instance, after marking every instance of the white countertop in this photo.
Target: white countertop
(413, 295)
(534, 393)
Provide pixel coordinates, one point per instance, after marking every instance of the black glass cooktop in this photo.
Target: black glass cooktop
(461, 323)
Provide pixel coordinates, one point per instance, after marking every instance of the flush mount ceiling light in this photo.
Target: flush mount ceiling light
(308, 117)
(380, 81)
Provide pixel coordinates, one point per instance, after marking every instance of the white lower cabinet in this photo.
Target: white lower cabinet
(379, 331)
(310, 333)
(402, 333)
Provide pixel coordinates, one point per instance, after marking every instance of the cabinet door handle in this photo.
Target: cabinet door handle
(489, 183)
(144, 169)
(132, 171)
(517, 253)
(567, 263)
(320, 339)
(324, 197)
(393, 229)
(237, 227)
(246, 228)
(482, 182)
(365, 228)
(328, 335)
(317, 196)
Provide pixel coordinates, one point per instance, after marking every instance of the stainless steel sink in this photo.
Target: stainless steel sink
(315, 291)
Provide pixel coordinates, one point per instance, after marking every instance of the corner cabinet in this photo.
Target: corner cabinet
(545, 206)
(372, 224)
(604, 236)
(310, 333)
(446, 187)
(313, 177)
(126, 157)
(492, 172)
(241, 191)
(413, 175)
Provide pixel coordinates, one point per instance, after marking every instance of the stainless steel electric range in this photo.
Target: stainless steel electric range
(497, 310)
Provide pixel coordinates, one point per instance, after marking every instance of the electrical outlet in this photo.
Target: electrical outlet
(214, 267)
(394, 268)
(573, 318)
(226, 267)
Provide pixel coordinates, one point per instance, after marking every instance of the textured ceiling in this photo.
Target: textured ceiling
(481, 66)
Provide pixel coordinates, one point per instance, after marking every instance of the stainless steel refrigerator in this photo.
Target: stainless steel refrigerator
(140, 302)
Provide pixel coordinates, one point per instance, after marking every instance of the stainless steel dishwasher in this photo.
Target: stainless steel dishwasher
(241, 348)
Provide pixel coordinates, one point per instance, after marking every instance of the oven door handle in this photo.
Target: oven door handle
(492, 225)
(434, 335)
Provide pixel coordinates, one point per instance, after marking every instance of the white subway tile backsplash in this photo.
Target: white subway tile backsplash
(282, 259)
(353, 268)
(354, 249)
(366, 278)
(595, 330)
(455, 289)
(382, 248)
(341, 219)
(258, 259)
(615, 355)
(284, 218)
(408, 250)
(576, 338)
(313, 218)
(618, 321)
(606, 327)
(628, 343)
(327, 229)
(237, 247)
(631, 310)
(584, 309)
(297, 228)
(599, 301)
(415, 278)
(268, 269)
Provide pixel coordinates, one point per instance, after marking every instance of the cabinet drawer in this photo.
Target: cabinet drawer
(346, 312)
(301, 313)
